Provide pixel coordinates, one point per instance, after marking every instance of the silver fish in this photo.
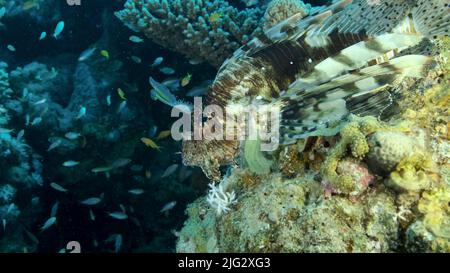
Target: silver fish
(167, 70)
(72, 135)
(168, 206)
(2, 12)
(70, 163)
(40, 102)
(102, 169)
(121, 162)
(54, 145)
(118, 243)
(42, 36)
(136, 59)
(170, 170)
(50, 222)
(20, 135)
(54, 210)
(57, 187)
(86, 54)
(91, 215)
(122, 106)
(118, 215)
(36, 121)
(91, 201)
(136, 191)
(81, 112)
(136, 39)
(58, 29)
(157, 61)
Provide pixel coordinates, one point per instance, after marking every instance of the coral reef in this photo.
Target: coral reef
(371, 186)
(201, 30)
(278, 10)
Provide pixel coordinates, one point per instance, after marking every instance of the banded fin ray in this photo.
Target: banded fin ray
(289, 29)
(427, 17)
(360, 92)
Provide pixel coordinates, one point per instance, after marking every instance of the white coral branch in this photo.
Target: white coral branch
(219, 199)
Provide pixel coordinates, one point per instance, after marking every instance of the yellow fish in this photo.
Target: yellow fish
(215, 17)
(186, 80)
(150, 143)
(163, 135)
(148, 174)
(30, 4)
(121, 94)
(105, 53)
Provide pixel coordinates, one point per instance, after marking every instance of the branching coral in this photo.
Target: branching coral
(202, 30)
(278, 10)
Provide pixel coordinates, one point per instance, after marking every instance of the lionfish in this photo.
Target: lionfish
(343, 59)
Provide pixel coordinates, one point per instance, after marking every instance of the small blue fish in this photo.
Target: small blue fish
(54, 145)
(162, 93)
(50, 222)
(157, 61)
(58, 29)
(86, 54)
(91, 201)
(36, 121)
(2, 12)
(72, 135)
(118, 243)
(167, 207)
(91, 215)
(118, 215)
(81, 113)
(136, 191)
(20, 135)
(121, 162)
(57, 187)
(70, 163)
(11, 48)
(43, 35)
(136, 59)
(54, 210)
(136, 39)
(167, 70)
(170, 170)
(122, 106)
(27, 120)
(40, 102)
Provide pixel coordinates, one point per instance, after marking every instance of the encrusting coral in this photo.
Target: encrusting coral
(201, 30)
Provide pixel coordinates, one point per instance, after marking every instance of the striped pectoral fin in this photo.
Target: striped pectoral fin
(432, 17)
(361, 92)
(373, 18)
(377, 49)
(290, 29)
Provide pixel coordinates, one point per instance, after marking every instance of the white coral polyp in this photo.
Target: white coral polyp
(219, 199)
